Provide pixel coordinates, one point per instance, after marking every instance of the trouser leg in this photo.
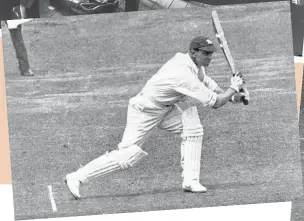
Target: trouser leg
(20, 49)
(188, 124)
(129, 151)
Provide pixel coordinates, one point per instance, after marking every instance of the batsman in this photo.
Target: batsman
(156, 106)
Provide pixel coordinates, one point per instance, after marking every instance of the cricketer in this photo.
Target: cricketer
(156, 105)
(16, 9)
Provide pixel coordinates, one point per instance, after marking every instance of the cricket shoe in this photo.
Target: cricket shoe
(73, 185)
(29, 72)
(194, 187)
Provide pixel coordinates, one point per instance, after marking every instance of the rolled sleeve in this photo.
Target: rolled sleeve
(210, 83)
(196, 89)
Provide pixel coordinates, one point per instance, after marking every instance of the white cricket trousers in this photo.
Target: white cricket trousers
(145, 115)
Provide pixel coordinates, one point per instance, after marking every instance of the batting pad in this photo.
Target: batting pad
(191, 123)
(182, 155)
(191, 145)
(110, 162)
(192, 158)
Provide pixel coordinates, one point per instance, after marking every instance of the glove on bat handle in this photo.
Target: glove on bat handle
(245, 101)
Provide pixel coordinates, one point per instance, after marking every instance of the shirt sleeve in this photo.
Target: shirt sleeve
(210, 84)
(191, 86)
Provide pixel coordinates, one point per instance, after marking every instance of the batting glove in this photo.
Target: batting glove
(241, 96)
(246, 94)
(237, 81)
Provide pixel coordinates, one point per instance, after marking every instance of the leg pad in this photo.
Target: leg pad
(111, 161)
(191, 123)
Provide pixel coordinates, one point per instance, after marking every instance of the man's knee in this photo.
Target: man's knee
(192, 126)
(128, 156)
(172, 121)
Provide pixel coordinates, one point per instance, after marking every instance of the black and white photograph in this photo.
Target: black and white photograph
(149, 111)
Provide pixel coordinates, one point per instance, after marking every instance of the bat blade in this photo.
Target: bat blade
(222, 40)
(224, 45)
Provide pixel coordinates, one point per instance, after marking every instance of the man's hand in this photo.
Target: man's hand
(246, 93)
(237, 81)
(239, 97)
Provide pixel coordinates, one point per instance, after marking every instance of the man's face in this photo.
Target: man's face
(202, 58)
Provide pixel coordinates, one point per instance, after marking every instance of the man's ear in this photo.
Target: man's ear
(192, 51)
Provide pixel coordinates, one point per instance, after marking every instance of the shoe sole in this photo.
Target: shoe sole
(27, 75)
(191, 191)
(67, 186)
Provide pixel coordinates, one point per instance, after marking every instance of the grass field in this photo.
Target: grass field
(74, 109)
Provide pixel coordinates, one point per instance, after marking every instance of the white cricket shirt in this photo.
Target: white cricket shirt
(177, 79)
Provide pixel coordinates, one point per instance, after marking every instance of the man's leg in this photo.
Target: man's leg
(107, 163)
(20, 49)
(188, 123)
(21, 52)
(129, 152)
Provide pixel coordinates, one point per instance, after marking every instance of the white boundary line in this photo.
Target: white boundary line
(54, 207)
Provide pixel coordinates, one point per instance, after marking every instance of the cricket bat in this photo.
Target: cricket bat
(224, 45)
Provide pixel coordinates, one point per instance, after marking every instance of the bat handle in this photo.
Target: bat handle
(245, 101)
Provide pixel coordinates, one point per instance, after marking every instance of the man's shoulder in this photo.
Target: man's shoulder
(181, 59)
(180, 55)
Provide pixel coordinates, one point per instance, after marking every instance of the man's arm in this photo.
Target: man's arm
(193, 87)
(209, 82)
(236, 98)
(219, 90)
(223, 96)
(213, 99)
